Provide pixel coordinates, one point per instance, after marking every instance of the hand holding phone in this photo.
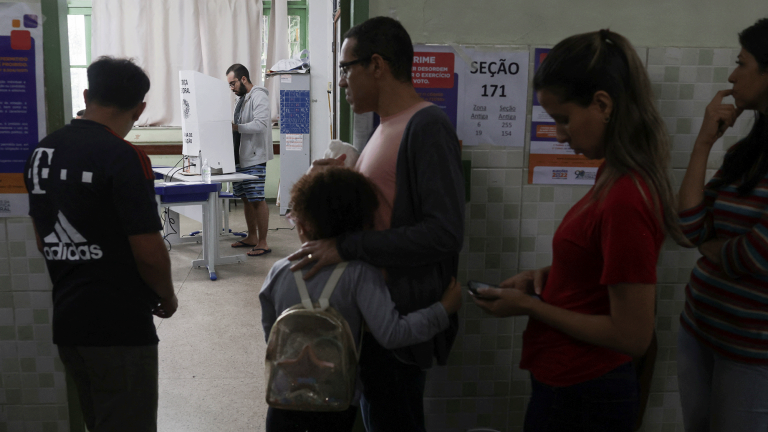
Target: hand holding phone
(475, 285)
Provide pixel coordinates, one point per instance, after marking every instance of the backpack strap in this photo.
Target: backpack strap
(306, 301)
(331, 284)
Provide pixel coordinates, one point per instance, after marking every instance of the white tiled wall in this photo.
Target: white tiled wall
(33, 394)
(509, 227)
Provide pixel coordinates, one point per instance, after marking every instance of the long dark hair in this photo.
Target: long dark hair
(747, 160)
(636, 141)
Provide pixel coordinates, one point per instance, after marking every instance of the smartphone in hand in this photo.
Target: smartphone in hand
(475, 285)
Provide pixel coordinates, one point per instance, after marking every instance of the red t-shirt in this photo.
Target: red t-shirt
(616, 240)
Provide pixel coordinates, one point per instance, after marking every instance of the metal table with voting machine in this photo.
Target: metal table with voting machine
(190, 190)
(206, 108)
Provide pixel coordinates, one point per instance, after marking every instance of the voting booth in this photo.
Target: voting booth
(206, 123)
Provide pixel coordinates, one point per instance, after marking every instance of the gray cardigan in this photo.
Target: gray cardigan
(420, 251)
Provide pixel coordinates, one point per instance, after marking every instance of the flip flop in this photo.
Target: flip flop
(263, 252)
(239, 244)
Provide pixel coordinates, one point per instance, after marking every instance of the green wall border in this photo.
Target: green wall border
(58, 111)
(353, 12)
(58, 106)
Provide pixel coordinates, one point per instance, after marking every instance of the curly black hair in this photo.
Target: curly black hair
(334, 202)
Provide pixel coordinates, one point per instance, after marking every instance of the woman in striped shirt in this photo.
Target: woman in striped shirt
(723, 343)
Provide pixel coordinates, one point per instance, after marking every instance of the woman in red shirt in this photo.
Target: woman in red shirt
(596, 309)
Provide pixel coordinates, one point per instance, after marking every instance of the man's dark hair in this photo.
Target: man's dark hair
(240, 71)
(116, 82)
(333, 202)
(386, 37)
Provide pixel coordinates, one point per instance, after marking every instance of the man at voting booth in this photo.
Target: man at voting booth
(252, 130)
(92, 202)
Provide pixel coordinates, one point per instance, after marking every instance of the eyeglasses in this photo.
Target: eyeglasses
(233, 83)
(344, 67)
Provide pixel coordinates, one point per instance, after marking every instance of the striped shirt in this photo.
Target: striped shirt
(726, 307)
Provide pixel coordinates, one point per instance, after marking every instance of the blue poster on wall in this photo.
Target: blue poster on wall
(22, 122)
(17, 105)
(294, 111)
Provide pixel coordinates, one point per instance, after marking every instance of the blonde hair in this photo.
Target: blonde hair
(636, 140)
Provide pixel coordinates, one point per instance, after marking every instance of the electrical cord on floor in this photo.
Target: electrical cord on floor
(273, 229)
(168, 219)
(281, 228)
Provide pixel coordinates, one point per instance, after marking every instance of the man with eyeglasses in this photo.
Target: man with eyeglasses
(252, 136)
(414, 158)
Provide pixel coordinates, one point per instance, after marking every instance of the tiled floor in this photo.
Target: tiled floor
(212, 349)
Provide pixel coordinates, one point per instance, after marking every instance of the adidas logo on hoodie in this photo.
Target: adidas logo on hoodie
(68, 244)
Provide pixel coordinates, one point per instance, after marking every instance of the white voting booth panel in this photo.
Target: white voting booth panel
(206, 123)
(294, 133)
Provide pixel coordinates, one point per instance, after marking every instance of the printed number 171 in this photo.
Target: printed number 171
(493, 87)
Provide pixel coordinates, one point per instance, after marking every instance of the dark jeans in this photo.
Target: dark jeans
(393, 392)
(279, 420)
(606, 403)
(117, 386)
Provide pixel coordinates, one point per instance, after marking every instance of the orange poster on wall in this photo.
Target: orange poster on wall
(552, 162)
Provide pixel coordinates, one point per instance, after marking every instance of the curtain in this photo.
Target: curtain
(277, 49)
(166, 36)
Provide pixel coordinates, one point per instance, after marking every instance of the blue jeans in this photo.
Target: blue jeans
(719, 394)
(606, 403)
(393, 392)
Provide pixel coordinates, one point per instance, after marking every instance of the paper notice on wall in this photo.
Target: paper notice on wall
(285, 78)
(22, 103)
(483, 91)
(495, 97)
(550, 161)
(294, 142)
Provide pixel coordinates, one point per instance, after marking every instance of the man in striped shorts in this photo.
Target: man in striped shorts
(253, 130)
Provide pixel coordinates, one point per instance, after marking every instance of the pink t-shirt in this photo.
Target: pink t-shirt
(378, 161)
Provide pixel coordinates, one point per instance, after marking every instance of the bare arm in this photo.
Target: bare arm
(718, 117)
(37, 238)
(154, 266)
(628, 328)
